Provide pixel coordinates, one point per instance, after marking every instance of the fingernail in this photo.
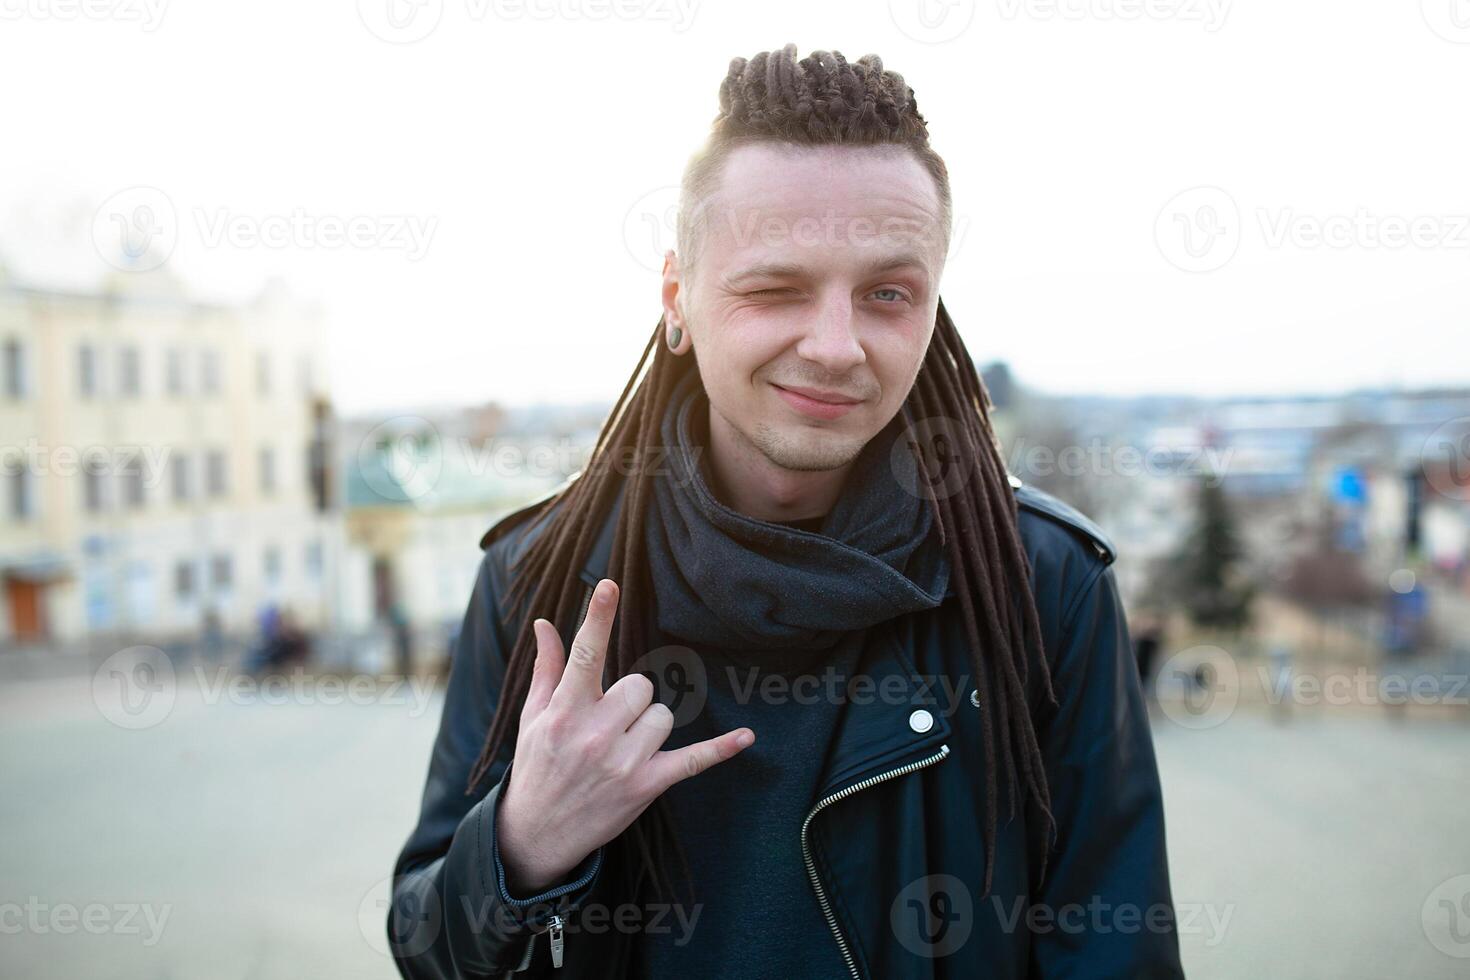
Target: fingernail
(744, 739)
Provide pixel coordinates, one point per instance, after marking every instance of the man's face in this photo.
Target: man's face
(814, 296)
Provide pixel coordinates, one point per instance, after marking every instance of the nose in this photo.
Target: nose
(831, 340)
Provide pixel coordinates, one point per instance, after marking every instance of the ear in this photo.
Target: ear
(676, 328)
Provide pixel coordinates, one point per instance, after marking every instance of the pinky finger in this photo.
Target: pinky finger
(677, 765)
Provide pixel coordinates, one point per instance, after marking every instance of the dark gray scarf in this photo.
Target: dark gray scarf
(724, 579)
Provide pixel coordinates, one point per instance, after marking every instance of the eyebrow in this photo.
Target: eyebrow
(783, 270)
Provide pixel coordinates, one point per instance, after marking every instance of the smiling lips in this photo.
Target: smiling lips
(816, 403)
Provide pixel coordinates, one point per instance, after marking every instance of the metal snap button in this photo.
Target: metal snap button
(921, 721)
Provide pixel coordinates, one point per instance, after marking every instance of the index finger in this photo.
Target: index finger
(582, 679)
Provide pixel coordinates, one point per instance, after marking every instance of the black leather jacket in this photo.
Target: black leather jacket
(894, 842)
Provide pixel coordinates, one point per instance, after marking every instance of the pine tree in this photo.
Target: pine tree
(1210, 578)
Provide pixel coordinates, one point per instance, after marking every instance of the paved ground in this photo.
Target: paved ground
(264, 832)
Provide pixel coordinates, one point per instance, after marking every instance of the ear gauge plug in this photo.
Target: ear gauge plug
(676, 334)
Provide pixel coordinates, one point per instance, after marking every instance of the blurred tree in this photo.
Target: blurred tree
(1000, 383)
(1327, 577)
(1207, 576)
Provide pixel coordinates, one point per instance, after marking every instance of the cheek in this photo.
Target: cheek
(744, 341)
(895, 357)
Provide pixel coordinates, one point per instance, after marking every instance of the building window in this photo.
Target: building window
(87, 371)
(184, 581)
(18, 482)
(267, 470)
(209, 372)
(216, 479)
(273, 565)
(129, 372)
(15, 369)
(174, 371)
(94, 492)
(221, 572)
(131, 477)
(179, 477)
(263, 373)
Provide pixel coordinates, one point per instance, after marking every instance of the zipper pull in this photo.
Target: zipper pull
(558, 942)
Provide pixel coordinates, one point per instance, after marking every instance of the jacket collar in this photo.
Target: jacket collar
(892, 716)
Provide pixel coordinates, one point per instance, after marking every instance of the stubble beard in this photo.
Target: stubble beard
(817, 453)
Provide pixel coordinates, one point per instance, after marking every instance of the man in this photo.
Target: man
(896, 730)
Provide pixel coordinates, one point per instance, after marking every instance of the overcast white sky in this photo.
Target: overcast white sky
(533, 147)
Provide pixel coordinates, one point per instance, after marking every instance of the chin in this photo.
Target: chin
(805, 449)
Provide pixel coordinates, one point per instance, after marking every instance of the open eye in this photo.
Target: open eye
(898, 294)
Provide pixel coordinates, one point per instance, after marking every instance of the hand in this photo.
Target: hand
(587, 763)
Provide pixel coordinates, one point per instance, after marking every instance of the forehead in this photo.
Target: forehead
(823, 203)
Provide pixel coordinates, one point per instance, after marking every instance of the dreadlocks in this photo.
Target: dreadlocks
(821, 100)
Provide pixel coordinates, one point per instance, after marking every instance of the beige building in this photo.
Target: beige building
(163, 458)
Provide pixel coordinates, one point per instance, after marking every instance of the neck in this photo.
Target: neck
(750, 484)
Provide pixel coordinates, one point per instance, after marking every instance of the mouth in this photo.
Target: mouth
(815, 403)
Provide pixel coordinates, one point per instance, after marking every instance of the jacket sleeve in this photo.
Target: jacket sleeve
(451, 915)
(1105, 900)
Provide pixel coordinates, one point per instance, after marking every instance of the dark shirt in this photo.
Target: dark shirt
(740, 823)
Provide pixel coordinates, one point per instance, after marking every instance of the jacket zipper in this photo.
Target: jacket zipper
(553, 929)
(806, 853)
